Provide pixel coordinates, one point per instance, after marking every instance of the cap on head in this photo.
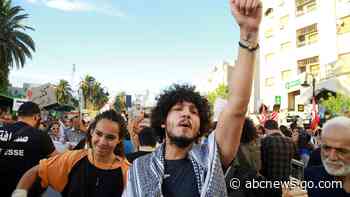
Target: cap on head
(28, 109)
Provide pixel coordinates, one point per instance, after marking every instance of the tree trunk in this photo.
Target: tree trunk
(4, 82)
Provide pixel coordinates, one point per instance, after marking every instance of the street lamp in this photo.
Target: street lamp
(306, 84)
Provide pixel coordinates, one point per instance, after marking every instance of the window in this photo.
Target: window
(307, 35)
(269, 58)
(285, 46)
(269, 81)
(314, 69)
(286, 75)
(269, 33)
(311, 65)
(343, 63)
(343, 25)
(305, 6)
(284, 21)
(291, 100)
(330, 68)
(301, 69)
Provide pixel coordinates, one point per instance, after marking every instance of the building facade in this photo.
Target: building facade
(302, 41)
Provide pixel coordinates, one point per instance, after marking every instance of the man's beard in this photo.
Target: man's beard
(343, 171)
(180, 141)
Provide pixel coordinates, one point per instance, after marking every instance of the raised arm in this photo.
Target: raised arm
(229, 128)
(26, 182)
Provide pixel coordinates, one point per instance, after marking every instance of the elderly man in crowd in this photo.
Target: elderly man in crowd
(333, 177)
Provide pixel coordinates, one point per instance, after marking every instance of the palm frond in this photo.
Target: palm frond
(26, 39)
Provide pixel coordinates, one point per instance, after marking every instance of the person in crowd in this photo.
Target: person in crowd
(2, 112)
(335, 155)
(22, 145)
(247, 163)
(260, 131)
(304, 146)
(249, 145)
(132, 142)
(277, 151)
(263, 114)
(147, 140)
(293, 126)
(96, 171)
(84, 143)
(74, 131)
(6, 118)
(66, 128)
(54, 131)
(179, 166)
(315, 157)
(335, 168)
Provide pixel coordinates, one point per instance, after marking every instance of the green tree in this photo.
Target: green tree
(220, 91)
(86, 87)
(64, 92)
(336, 105)
(100, 96)
(120, 104)
(15, 45)
(94, 95)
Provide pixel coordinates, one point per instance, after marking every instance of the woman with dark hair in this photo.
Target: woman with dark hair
(96, 171)
(249, 147)
(247, 163)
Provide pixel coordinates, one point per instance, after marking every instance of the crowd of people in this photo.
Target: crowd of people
(176, 150)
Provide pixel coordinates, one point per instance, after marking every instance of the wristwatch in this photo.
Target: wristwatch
(248, 45)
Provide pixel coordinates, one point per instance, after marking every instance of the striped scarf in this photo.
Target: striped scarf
(146, 176)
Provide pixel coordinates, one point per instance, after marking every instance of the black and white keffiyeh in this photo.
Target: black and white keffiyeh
(146, 176)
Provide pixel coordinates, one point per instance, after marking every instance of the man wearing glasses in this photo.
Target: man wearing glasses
(333, 177)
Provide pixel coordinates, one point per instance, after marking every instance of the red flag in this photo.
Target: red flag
(274, 116)
(314, 114)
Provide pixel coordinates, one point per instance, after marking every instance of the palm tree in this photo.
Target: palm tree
(119, 104)
(63, 92)
(15, 45)
(94, 95)
(86, 86)
(100, 98)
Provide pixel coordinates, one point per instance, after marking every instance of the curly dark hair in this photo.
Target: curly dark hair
(118, 118)
(177, 93)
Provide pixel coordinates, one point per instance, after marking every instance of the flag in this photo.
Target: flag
(274, 116)
(314, 115)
